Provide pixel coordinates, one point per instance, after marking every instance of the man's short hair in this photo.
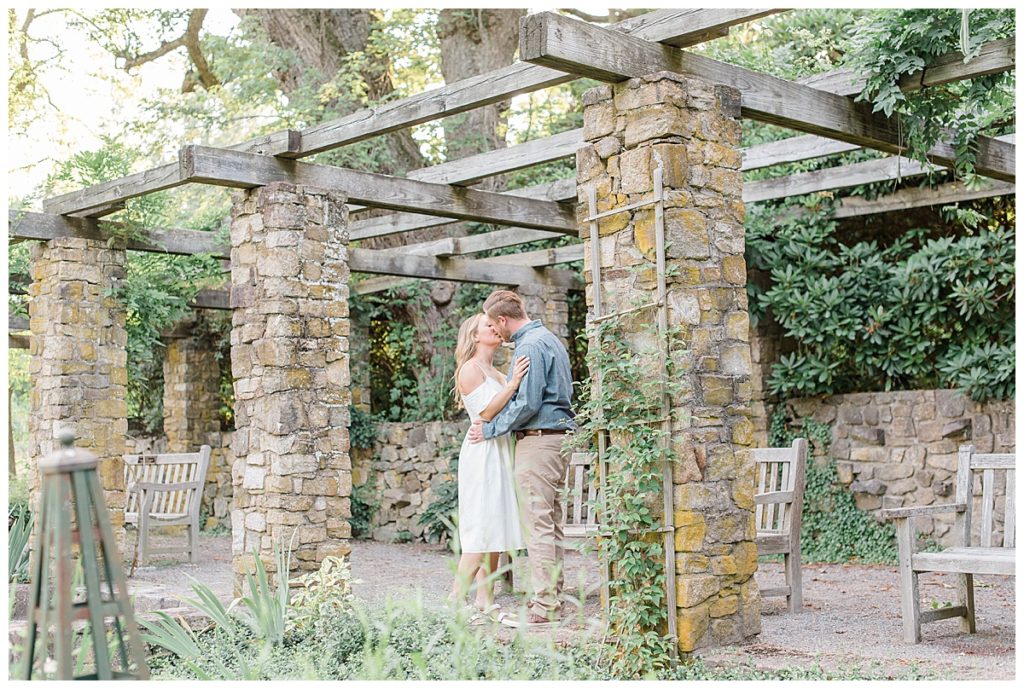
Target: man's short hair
(505, 303)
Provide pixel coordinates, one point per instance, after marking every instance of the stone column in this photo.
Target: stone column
(79, 360)
(192, 410)
(691, 129)
(290, 363)
(550, 305)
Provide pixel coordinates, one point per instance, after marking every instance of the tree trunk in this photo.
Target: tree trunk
(321, 40)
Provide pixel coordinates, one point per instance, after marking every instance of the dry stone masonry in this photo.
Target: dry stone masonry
(290, 362)
(192, 413)
(403, 472)
(691, 129)
(899, 449)
(78, 365)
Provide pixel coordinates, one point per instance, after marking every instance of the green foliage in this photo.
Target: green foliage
(440, 519)
(362, 429)
(364, 506)
(18, 534)
(266, 606)
(920, 312)
(405, 641)
(889, 44)
(629, 407)
(833, 528)
(322, 595)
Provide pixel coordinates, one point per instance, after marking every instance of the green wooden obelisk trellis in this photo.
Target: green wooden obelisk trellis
(70, 486)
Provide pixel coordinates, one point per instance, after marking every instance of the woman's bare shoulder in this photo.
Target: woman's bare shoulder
(470, 378)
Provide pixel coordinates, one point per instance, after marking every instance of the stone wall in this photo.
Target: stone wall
(691, 129)
(408, 463)
(289, 359)
(78, 361)
(896, 449)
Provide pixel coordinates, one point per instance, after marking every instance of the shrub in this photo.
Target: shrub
(919, 313)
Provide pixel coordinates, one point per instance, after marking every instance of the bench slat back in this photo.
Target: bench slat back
(778, 495)
(578, 496)
(185, 467)
(992, 468)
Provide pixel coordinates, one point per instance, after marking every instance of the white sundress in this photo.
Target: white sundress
(488, 511)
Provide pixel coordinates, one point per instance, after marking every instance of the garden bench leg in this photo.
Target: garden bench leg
(965, 597)
(909, 596)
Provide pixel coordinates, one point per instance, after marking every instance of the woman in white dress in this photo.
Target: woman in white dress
(488, 511)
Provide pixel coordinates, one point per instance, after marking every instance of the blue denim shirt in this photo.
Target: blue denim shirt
(544, 397)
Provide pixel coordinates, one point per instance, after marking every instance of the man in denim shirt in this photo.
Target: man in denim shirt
(539, 414)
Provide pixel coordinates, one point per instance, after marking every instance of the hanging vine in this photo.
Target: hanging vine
(627, 404)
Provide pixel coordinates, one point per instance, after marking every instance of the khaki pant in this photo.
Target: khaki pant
(540, 474)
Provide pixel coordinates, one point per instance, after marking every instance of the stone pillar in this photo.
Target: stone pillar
(79, 361)
(550, 305)
(192, 410)
(290, 363)
(690, 128)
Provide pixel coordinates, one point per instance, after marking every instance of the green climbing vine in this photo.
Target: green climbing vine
(834, 529)
(628, 404)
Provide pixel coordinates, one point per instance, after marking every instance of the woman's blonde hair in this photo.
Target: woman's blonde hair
(465, 348)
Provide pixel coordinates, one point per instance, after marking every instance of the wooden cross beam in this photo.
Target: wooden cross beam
(247, 170)
(559, 42)
(679, 27)
(904, 199)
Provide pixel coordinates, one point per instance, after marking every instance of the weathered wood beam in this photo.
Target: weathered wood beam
(246, 170)
(681, 27)
(792, 150)
(457, 269)
(904, 199)
(994, 57)
(560, 42)
(395, 223)
(461, 246)
(500, 161)
(17, 341)
(536, 259)
(17, 323)
(23, 225)
(211, 299)
(844, 176)
(106, 197)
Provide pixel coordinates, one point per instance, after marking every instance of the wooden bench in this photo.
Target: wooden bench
(165, 490)
(578, 519)
(963, 559)
(778, 512)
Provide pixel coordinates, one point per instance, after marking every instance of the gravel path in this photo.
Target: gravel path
(851, 613)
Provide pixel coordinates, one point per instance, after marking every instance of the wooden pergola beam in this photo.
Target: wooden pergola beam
(560, 42)
(904, 199)
(679, 27)
(994, 57)
(22, 225)
(246, 170)
(395, 223)
(842, 177)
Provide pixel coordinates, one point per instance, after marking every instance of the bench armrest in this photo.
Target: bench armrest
(907, 512)
(164, 487)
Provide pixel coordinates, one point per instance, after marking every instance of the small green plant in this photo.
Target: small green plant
(364, 506)
(266, 606)
(18, 536)
(362, 429)
(833, 528)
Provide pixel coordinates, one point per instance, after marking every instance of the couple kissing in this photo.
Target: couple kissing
(511, 465)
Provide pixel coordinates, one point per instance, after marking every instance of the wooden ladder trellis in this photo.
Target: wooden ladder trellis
(661, 303)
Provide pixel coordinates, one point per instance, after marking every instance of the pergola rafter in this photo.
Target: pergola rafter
(563, 43)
